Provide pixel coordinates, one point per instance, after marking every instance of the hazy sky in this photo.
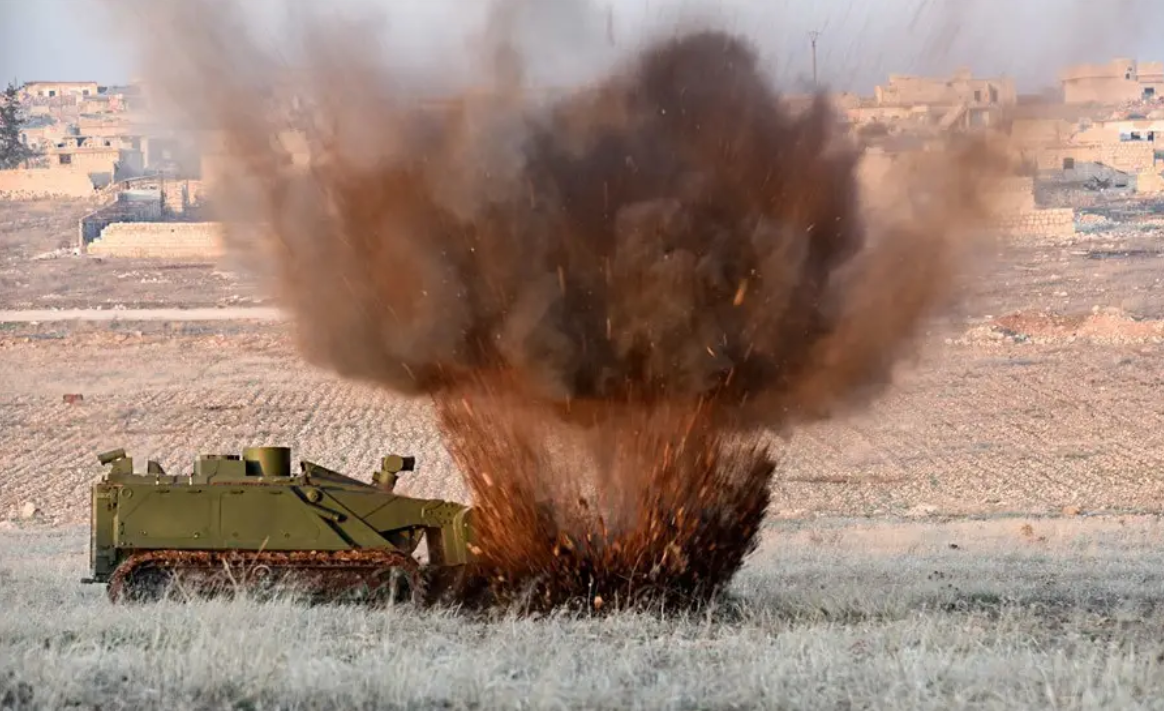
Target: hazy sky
(861, 40)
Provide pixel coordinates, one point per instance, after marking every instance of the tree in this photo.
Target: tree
(13, 152)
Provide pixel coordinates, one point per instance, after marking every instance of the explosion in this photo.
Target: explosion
(652, 505)
(612, 294)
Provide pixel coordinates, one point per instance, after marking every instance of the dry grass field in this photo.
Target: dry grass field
(1005, 614)
(983, 537)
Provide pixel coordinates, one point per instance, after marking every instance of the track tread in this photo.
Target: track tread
(329, 573)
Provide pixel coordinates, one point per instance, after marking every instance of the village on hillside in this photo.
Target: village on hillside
(1095, 138)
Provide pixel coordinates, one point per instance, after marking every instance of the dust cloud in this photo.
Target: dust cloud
(612, 290)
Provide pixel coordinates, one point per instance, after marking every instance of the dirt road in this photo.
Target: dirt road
(238, 313)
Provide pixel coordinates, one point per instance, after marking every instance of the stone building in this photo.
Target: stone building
(958, 101)
(1119, 81)
(961, 88)
(53, 89)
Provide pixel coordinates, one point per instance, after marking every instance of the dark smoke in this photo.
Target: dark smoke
(670, 235)
(670, 257)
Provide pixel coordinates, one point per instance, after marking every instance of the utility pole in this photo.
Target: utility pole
(812, 38)
(610, 25)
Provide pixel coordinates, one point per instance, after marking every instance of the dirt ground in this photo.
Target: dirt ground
(1025, 441)
(38, 269)
(1044, 393)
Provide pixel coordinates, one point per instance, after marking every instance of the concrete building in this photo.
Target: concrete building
(959, 102)
(41, 132)
(107, 126)
(1119, 81)
(1051, 145)
(1150, 130)
(104, 160)
(962, 88)
(55, 89)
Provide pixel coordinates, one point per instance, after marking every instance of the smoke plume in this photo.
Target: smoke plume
(650, 267)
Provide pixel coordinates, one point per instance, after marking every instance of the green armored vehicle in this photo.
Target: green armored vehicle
(249, 522)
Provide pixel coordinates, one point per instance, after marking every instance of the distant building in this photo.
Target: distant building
(1057, 145)
(962, 88)
(1126, 131)
(55, 89)
(960, 101)
(1118, 81)
(99, 158)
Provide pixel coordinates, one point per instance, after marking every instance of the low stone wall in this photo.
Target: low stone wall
(161, 240)
(1011, 200)
(1015, 211)
(95, 222)
(41, 183)
(1059, 222)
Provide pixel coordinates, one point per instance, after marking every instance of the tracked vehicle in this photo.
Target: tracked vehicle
(248, 522)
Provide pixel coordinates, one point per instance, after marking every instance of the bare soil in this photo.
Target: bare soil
(1026, 440)
(1043, 393)
(40, 270)
(169, 315)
